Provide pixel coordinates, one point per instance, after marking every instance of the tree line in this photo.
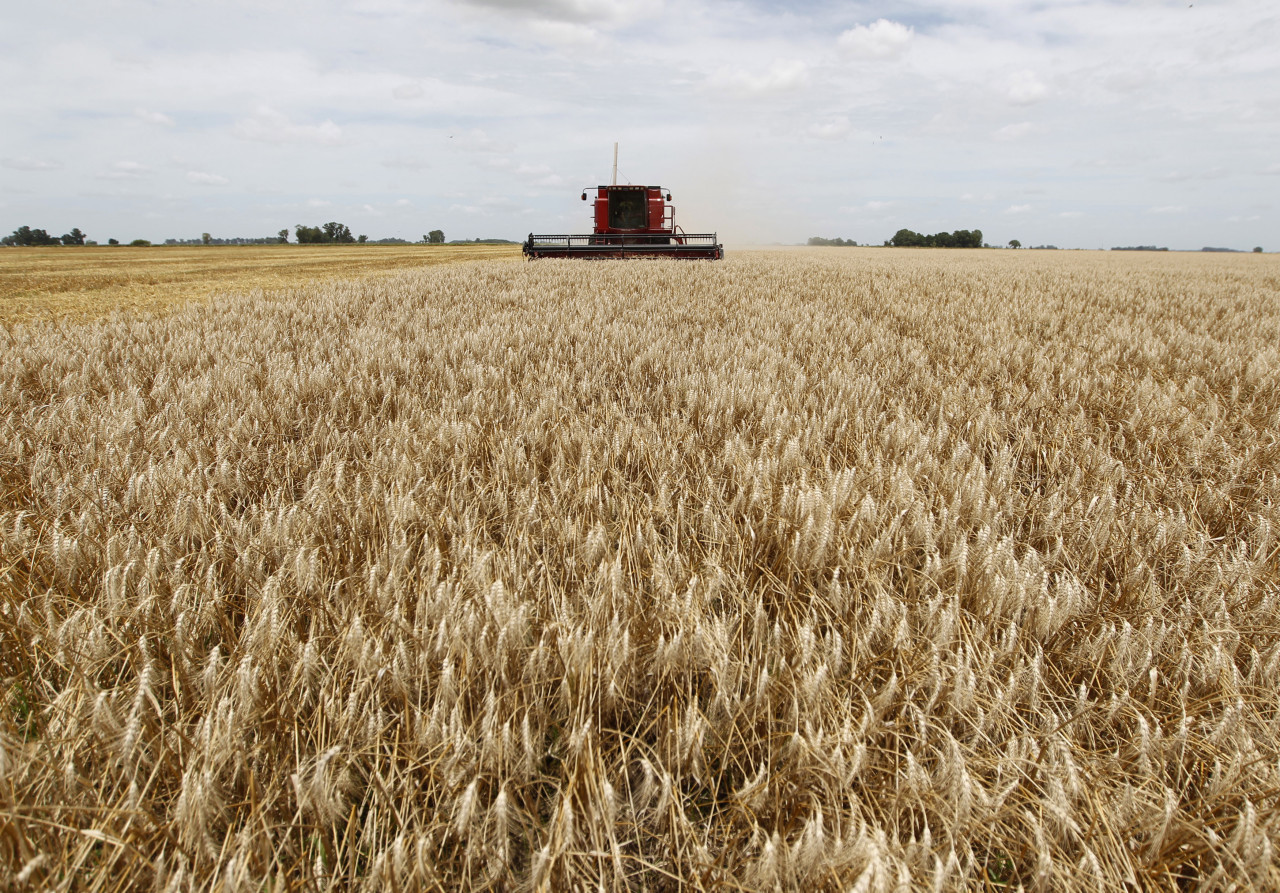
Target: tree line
(339, 233)
(961, 238)
(25, 236)
(320, 235)
(328, 233)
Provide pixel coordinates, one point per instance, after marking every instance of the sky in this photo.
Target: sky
(1079, 124)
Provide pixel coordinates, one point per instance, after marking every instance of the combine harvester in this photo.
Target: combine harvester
(630, 221)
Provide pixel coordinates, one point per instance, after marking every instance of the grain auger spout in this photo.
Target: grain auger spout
(630, 221)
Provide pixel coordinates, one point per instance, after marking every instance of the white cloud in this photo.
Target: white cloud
(318, 203)
(270, 126)
(1025, 88)
(412, 90)
(1017, 209)
(605, 11)
(783, 76)
(870, 207)
(836, 128)
(477, 140)
(1011, 132)
(153, 117)
(504, 204)
(125, 170)
(882, 39)
(719, 101)
(30, 164)
(1128, 80)
(539, 175)
(371, 211)
(566, 35)
(1168, 209)
(490, 205)
(1212, 173)
(201, 178)
(408, 163)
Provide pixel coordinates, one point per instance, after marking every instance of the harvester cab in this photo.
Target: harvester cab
(630, 221)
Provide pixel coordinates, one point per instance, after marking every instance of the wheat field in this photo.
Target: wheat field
(860, 569)
(90, 282)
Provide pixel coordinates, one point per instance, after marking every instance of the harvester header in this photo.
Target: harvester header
(630, 221)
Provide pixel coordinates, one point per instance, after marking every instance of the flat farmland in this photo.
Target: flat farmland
(835, 569)
(79, 283)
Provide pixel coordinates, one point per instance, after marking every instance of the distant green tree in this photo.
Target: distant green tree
(26, 237)
(1257, 249)
(435, 237)
(337, 232)
(140, 243)
(113, 241)
(206, 238)
(75, 237)
(362, 238)
(321, 235)
(961, 238)
(283, 236)
(1014, 243)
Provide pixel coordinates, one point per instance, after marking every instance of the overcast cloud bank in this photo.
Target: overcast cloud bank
(1082, 124)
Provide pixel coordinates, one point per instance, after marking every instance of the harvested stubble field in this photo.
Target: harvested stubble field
(79, 283)
(859, 569)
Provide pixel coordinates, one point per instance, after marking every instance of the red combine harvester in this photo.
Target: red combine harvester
(631, 221)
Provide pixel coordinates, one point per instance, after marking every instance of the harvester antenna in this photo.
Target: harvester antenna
(615, 164)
